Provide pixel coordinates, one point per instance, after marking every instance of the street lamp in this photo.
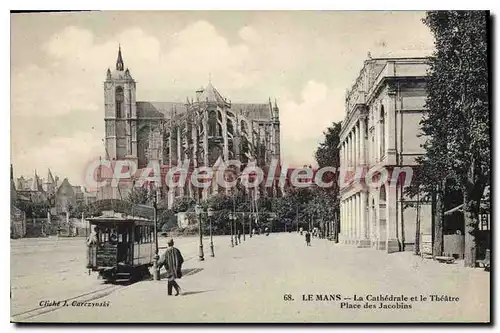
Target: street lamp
(210, 213)
(198, 213)
(243, 225)
(156, 257)
(235, 224)
(231, 225)
(233, 220)
(235, 229)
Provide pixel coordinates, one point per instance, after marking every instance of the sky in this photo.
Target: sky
(306, 60)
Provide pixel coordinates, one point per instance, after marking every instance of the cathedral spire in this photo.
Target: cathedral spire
(119, 61)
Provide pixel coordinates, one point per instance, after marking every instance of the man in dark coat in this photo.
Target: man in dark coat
(308, 238)
(172, 260)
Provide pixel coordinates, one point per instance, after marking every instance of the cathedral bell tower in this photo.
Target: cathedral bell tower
(120, 113)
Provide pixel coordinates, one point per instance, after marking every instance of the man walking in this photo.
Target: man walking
(172, 260)
(308, 238)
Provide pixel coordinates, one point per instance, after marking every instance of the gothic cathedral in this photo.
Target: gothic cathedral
(206, 130)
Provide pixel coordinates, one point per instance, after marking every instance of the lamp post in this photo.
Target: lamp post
(231, 226)
(243, 224)
(198, 213)
(156, 257)
(235, 224)
(235, 229)
(210, 213)
(251, 216)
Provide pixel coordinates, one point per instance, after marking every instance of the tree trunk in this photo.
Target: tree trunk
(439, 222)
(470, 228)
(416, 249)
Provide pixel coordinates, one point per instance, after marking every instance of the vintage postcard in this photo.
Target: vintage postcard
(250, 167)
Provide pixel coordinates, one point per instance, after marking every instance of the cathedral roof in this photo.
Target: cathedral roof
(251, 111)
(254, 111)
(158, 109)
(212, 95)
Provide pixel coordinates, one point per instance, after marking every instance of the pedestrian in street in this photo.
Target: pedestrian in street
(308, 238)
(239, 236)
(172, 260)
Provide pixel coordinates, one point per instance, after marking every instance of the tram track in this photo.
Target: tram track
(84, 297)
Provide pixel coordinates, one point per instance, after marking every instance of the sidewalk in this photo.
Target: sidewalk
(248, 283)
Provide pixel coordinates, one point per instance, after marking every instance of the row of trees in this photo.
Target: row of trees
(457, 121)
(301, 207)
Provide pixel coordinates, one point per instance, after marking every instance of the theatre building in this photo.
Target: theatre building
(381, 132)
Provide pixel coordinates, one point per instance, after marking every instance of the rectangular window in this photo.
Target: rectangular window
(118, 109)
(137, 234)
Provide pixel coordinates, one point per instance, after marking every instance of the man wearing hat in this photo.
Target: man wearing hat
(172, 260)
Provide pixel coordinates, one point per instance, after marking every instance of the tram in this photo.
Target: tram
(120, 246)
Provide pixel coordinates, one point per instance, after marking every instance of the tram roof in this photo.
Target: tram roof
(119, 219)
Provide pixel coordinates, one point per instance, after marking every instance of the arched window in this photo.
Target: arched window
(383, 195)
(219, 122)
(382, 132)
(230, 128)
(243, 127)
(212, 123)
(119, 101)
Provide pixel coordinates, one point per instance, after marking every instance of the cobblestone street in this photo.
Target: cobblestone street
(251, 283)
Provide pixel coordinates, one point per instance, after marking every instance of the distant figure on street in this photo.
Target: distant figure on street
(253, 231)
(266, 230)
(239, 236)
(172, 260)
(301, 231)
(308, 238)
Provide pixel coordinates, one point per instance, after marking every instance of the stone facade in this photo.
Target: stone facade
(381, 131)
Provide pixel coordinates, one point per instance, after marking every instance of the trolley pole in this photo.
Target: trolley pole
(156, 271)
